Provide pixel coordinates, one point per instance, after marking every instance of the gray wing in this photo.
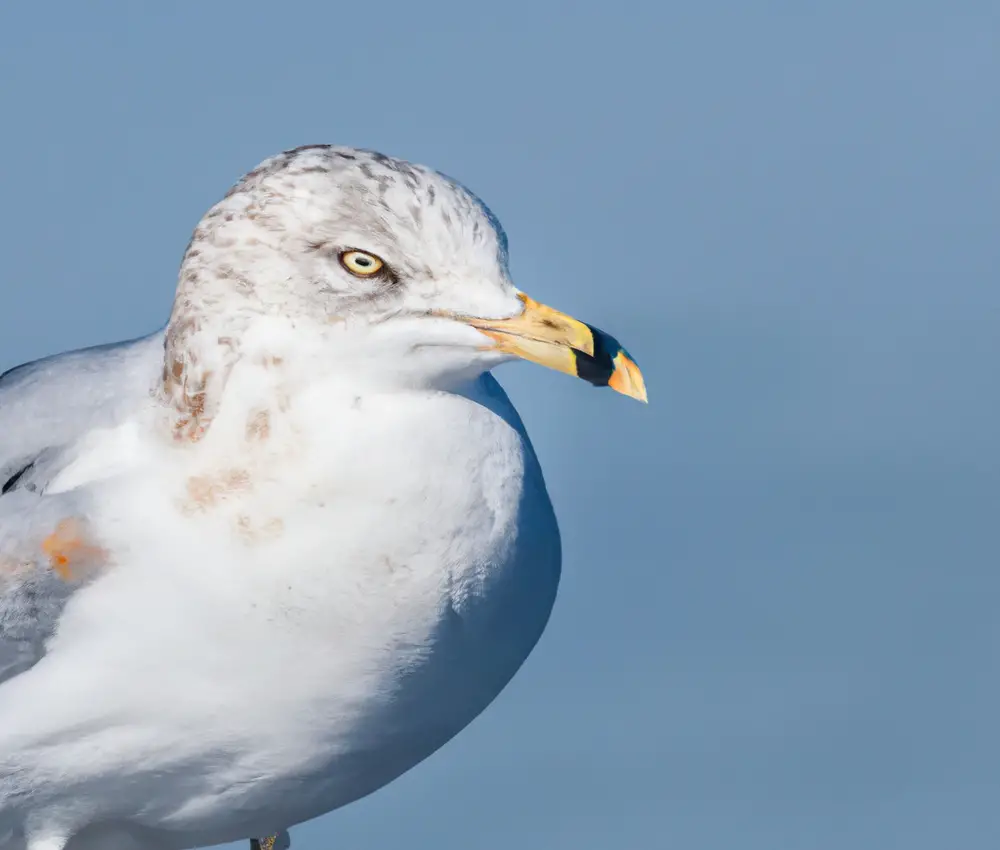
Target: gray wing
(45, 407)
(50, 403)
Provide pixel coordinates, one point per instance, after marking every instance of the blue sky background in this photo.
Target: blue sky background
(778, 624)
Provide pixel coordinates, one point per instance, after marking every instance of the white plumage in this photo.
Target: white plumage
(257, 566)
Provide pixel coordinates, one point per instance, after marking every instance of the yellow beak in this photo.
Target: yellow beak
(546, 336)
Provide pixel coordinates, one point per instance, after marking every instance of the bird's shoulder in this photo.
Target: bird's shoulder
(48, 404)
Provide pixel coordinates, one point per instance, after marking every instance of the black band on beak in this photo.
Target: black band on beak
(599, 368)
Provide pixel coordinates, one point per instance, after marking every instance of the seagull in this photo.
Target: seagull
(256, 565)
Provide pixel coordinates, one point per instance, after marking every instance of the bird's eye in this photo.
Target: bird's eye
(361, 263)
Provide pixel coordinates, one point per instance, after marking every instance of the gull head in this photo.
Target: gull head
(406, 264)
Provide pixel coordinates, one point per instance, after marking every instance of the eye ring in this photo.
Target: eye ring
(361, 263)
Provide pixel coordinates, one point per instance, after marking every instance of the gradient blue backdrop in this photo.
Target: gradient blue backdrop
(777, 627)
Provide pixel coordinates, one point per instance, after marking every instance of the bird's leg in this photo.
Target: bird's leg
(280, 841)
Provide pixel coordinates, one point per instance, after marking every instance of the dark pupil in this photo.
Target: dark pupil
(364, 262)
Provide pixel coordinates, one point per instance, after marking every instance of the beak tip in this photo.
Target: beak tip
(627, 379)
(553, 339)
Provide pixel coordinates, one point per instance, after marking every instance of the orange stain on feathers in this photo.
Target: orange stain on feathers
(71, 555)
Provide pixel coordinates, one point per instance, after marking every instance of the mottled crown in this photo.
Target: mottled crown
(270, 247)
